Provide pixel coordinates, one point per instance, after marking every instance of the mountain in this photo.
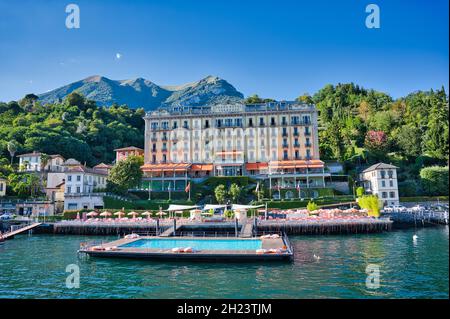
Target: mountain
(144, 93)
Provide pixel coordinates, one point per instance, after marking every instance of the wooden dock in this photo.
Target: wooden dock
(11, 234)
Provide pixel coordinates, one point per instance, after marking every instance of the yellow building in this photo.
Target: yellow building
(276, 142)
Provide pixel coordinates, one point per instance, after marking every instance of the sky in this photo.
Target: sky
(276, 49)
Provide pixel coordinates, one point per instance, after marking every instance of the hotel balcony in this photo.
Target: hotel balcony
(308, 144)
(296, 145)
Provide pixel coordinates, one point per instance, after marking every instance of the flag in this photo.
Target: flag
(298, 186)
(278, 186)
(169, 188)
(257, 187)
(188, 187)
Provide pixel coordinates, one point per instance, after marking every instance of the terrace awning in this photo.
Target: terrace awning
(165, 167)
(209, 206)
(173, 208)
(256, 166)
(201, 167)
(241, 207)
(297, 164)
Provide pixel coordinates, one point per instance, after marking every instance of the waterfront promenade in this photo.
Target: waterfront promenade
(307, 225)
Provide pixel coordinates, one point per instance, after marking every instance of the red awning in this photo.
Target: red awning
(201, 167)
(256, 166)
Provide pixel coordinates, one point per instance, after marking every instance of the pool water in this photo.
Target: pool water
(199, 244)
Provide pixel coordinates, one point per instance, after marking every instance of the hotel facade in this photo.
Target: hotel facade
(275, 142)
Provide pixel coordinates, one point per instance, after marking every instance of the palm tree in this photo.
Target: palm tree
(44, 161)
(12, 149)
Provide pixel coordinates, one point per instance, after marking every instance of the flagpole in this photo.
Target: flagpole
(189, 191)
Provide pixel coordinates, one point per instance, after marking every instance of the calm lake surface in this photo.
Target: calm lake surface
(35, 267)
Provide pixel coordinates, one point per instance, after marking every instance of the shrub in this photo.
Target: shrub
(371, 203)
(312, 206)
(434, 180)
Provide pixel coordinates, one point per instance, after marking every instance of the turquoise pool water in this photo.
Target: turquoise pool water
(199, 244)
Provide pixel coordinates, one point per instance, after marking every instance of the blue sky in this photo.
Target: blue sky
(277, 49)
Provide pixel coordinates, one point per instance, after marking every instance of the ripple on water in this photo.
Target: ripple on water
(34, 267)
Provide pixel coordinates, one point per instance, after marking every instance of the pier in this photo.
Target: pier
(165, 228)
(12, 233)
(422, 218)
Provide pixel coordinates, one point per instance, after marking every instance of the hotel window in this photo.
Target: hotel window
(78, 178)
(284, 131)
(392, 194)
(383, 174)
(308, 154)
(283, 121)
(391, 174)
(165, 125)
(306, 119)
(238, 122)
(263, 155)
(297, 155)
(295, 120)
(164, 158)
(196, 124)
(69, 189)
(154, 126)
(261, 121)
(206, 123)
(196, 157)
(250, 122)
(383, 184)
(78, 189)
(272, 121)
(391, 183)
(308, 143)
(185, 157)
(207, 156)
(307, 132)
(175, 125)
(285, 144)
(154, 147)
(185, 124)
(218, 123)
(252, 155)
(285, 155)
(69, 178)
(154, 159)
(274, 155)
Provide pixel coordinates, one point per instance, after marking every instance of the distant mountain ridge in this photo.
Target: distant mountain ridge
(144, 93)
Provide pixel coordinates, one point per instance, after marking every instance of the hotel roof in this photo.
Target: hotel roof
(379, 166)
(129, 148)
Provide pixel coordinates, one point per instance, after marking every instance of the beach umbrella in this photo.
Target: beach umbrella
(105, 214)
(146, 213)
(134, 214)
(92, 214)
(119, 213)
(160, 213)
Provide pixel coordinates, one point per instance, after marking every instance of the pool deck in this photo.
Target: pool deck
(215, 255)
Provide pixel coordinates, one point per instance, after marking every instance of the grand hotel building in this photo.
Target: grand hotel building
(276, 142)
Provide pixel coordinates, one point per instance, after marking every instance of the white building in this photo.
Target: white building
(381, 180)
(82, 186)
(31, 162)
(2, 187)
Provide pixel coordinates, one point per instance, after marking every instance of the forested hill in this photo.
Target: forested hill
(75, 128)
(357, 126)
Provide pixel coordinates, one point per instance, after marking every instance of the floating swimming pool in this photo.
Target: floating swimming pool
(198, 244)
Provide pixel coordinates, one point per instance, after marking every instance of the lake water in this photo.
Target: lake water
(324, 267)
